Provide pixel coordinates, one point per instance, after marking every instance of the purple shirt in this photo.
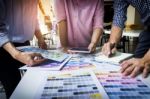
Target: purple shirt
(82, 16)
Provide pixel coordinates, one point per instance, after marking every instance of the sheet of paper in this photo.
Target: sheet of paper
(117, 58)
(96, 84)
(120, 87)
(71, 85)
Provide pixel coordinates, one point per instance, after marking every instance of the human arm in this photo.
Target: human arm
(59, 8)
(135, 66)
(97, 25)
(26, 58)
(95, 39)
(41, 42)
(116, 33)
(119, 18)
(62, 29)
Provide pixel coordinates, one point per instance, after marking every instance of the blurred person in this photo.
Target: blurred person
(18, 24)
(80, 23)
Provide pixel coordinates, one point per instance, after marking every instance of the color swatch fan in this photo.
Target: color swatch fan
(56, 56)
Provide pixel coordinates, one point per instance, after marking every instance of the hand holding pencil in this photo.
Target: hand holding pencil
(109, 49)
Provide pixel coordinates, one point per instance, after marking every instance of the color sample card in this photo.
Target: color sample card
(56, 56)
(79, 62)
(70, 86)
(48, 65)
(119, 87)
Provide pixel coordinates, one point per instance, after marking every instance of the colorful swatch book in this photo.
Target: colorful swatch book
(55, 60)
(92, 85)
(79, 62)
(56, 56)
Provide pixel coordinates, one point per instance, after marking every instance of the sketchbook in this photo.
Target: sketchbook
(117, 58)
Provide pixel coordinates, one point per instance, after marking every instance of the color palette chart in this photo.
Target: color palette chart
(119, 87)
(79, 62)
(70, 86)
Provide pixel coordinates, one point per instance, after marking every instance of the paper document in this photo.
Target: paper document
(117, 58)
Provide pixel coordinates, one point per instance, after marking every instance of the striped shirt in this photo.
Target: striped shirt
(120, 11)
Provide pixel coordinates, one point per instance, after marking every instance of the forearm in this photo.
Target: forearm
(11, 49)
(116, 33)
(96, 35)
(119, 18)
(146, 57)
(62, 30)
(39, 36)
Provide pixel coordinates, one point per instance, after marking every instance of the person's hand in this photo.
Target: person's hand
(66, 50)
(29, 58)
(109, 49)
(135, 66)
(42, 44)
(92, 47)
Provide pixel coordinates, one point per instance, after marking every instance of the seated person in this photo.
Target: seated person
(80, 23)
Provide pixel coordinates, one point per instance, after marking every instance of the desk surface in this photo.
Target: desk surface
(132, 33)
(32, 83)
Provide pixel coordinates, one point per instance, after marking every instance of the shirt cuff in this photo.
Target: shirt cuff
(4, 40)
(101, 27)
(118, 24)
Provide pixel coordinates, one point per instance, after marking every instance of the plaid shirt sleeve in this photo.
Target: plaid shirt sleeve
(120, 11)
